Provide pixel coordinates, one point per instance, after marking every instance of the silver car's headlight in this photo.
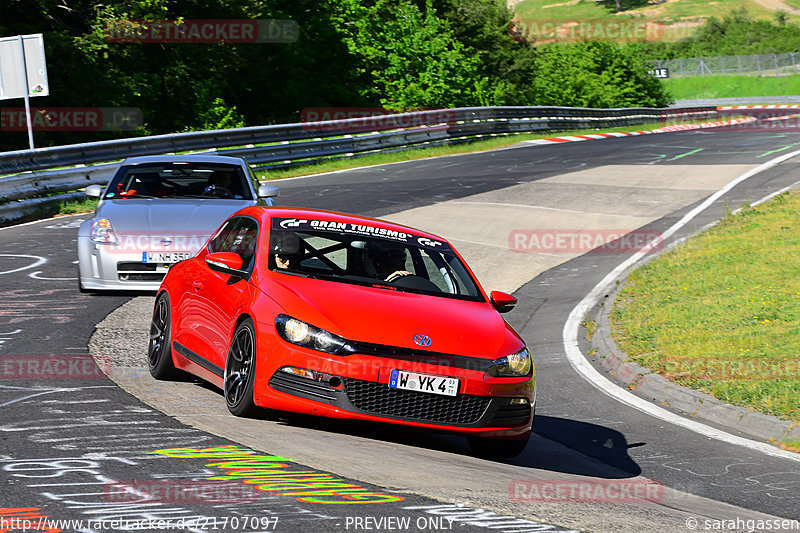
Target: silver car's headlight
(303, 334)
(514, 365)
(102, 231)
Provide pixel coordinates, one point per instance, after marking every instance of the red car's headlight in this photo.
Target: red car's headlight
(303, 334)
(514, 365)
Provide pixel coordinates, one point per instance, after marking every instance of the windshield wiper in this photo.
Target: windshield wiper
(202, 197)
(296, 273)
(133, 196)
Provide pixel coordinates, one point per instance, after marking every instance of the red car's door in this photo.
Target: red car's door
(185, 308)
(219, 297)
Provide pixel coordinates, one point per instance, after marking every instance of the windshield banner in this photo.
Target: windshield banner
(358, 230)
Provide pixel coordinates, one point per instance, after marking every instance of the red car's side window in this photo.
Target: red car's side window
(238, 235)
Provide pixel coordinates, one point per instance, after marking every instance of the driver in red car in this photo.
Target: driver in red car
(285, 247)
(390, 263)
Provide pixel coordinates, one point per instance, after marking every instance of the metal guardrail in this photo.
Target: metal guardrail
(32, 174)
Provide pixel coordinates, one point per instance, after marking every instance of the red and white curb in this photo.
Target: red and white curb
(762, 106)
(666, 129)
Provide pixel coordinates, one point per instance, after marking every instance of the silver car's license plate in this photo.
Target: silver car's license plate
(423, 383)
(164, 257)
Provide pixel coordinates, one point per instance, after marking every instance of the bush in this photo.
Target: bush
(595, 74)
(735, 34)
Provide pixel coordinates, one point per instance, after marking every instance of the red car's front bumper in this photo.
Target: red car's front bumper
(357, 387)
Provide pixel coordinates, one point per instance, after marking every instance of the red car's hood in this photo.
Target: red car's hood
(393, 318)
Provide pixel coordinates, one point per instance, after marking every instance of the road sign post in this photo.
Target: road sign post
(23, 71)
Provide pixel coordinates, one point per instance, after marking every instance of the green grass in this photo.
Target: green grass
(680, 17)
(721, 313)
(732, 86)
(490, 143)
(82, 205)
(791, 445)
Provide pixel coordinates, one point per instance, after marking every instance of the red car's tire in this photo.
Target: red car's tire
(159, 350)
(240, 369)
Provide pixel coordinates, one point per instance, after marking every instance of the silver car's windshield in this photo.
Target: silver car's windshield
(180, 180)
(362, 255)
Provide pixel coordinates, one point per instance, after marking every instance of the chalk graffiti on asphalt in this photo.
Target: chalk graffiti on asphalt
(58, 480)
(25, 519)
(272, 473)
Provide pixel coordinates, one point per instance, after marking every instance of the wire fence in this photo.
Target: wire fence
(754, 65)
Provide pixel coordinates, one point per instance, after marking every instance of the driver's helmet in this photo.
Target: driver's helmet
(286, 249)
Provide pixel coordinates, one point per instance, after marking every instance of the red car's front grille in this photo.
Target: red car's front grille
(379, 398)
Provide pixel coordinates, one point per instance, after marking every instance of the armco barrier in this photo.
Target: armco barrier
(32, 178)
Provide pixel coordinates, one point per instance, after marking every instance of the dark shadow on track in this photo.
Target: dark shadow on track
(558, 445)
(602, 443)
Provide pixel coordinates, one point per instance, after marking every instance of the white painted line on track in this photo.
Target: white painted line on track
(32, 222)
(589, 373)
(35, 275)
(38, 261)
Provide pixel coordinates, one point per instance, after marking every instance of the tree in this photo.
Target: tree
(413, 61)
(483, 26)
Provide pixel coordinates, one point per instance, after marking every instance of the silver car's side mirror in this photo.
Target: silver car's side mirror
(94, 191)
(268, 191)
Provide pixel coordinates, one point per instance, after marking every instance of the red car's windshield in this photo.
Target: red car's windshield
(363, 255)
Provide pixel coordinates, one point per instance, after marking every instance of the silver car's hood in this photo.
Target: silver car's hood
(168, 217)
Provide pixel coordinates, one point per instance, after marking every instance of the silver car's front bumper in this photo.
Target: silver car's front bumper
(105, 267)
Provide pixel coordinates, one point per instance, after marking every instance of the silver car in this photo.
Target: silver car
(159, 210)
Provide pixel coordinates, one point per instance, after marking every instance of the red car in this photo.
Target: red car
(342, 316)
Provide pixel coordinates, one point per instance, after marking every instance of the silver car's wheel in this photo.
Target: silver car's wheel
(240, 369)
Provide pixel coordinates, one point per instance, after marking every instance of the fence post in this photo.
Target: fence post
(680, 63)
(723, 65)
(777, 69)
(740, 64)
(758, 64)
(794, 65)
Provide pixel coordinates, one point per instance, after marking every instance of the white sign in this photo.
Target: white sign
(17, 66)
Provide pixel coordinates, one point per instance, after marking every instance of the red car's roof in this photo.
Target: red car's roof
(264, 213)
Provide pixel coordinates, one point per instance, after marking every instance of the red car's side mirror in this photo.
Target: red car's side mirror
(225, 263)
(502, 301)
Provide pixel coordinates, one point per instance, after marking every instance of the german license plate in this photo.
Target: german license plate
(165, 257)
(423, 383)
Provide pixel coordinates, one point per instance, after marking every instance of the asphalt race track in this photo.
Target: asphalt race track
(72, 438)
